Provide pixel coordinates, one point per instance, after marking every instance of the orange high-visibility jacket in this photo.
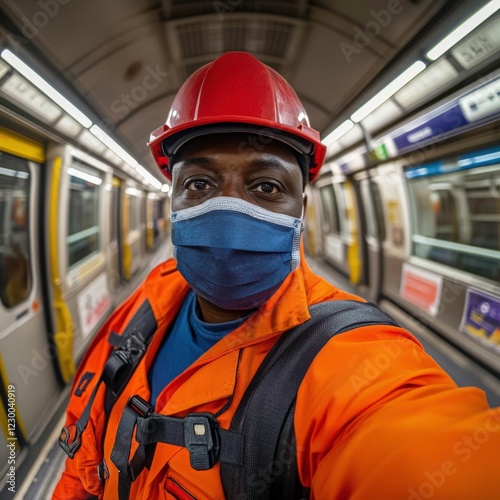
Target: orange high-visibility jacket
(375, 416)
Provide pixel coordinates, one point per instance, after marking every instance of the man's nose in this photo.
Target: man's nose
(232, 188)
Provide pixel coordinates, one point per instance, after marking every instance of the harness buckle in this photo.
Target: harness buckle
(72, 432)
(140, 406)
(201, 438)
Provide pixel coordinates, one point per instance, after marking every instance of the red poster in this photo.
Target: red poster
(421, 288)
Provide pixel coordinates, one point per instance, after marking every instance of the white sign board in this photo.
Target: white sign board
(93, 302)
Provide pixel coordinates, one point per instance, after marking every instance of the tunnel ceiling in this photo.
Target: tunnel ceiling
(127, 58)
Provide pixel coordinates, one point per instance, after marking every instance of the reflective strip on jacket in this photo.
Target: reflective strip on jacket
(375, 416)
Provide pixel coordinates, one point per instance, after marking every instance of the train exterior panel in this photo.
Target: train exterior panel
(429, 217)
(73, 239)
(25, 355)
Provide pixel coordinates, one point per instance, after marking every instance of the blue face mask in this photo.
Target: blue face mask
(233, 253)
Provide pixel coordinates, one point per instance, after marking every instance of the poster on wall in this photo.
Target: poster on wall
(93, 302)
(421, 288)
(481, 317)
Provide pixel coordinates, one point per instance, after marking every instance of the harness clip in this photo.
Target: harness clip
(72, 433)
(201, 438)
(140, 406)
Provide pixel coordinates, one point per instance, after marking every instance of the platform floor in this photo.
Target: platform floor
(40, 475)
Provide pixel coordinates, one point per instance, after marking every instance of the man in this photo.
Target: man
(374, 416)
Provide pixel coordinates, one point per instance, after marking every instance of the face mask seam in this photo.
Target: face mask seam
(236, 205)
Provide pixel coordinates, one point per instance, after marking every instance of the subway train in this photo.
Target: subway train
(411, 218)
(407, 209)
(75, 233)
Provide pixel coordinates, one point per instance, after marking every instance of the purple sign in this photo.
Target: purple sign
(442, 123)
(482, 317)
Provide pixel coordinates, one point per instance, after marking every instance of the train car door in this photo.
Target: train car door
(29, 383)
(78, 222)
(373, 234)
(333, 245)
(115, 257)
(131, 231)
(350, 231)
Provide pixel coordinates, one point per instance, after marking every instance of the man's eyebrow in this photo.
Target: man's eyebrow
(262, 163)
(273, 162)
(199, 160)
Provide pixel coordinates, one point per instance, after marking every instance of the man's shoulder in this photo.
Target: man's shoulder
(163, 269)
(320, 290)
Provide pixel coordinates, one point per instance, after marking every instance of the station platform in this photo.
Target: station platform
(38, 476)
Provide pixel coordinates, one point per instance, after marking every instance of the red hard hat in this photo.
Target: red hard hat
(237, 93)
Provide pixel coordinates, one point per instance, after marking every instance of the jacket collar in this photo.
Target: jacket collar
(287, 308)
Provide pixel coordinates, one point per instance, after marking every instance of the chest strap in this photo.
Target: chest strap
(199, 433)
(262, 422)
(129, 348)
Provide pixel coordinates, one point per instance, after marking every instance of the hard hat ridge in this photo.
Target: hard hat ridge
(237, 93)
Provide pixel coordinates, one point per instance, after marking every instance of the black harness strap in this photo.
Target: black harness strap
(130, 346)
(268, 402)
(258, 452)
(199, 433)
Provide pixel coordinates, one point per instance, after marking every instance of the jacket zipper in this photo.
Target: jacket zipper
(176, 489)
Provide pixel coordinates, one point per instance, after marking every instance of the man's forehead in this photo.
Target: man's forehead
(238, 150)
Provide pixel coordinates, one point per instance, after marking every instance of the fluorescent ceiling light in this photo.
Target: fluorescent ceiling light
(142, 171)
(463, 30)
(27, 95)
(84, 176)
(165, 188)
(341, 130)
(148, 177)
(115, 147)
(47, 89)
(132, 192)
(155, 182)
(387, 92)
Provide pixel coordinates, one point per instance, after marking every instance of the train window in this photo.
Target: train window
(377, 198)
(15, 277)
(134, 207)
(83, 221)
(115, 210)
(331, 222)
(457, 216)
(368, 208)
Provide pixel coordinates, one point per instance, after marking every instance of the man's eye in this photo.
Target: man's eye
(267, 187)
(197, 185)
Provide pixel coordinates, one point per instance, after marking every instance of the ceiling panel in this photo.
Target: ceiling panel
(128, 79)
(394, 21)
(69, 30)
(142, 123)
(340, 80)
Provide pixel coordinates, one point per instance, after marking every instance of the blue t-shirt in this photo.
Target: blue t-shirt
(188, 339)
